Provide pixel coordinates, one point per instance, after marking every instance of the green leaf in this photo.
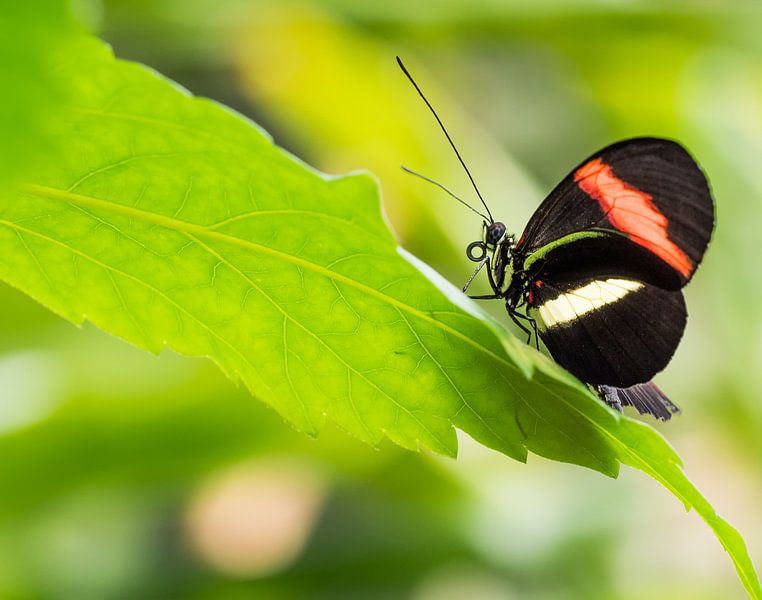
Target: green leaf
(172, 221)
(30, 34)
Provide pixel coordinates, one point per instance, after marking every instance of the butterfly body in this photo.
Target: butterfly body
(598, 272)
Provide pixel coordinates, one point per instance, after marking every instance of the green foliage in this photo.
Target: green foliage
(29, 36)
(172, 221)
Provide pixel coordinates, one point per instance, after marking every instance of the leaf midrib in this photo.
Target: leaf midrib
(193, 228)
(110, 269)
(189, 229)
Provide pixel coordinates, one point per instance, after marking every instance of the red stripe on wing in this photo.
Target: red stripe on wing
(632, 212)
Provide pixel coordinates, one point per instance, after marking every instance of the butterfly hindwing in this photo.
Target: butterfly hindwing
(608, 330)
(648, 191)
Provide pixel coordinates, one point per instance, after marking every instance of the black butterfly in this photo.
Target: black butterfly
(598, 272)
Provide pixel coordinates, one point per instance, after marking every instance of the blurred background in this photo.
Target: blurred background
(126, 475)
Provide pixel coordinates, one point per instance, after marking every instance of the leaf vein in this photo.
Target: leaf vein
(299, 399)
(147, 285)
(190, 228)
(321, 341)
(444, 372)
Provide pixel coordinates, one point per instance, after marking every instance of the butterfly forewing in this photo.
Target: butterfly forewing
(647, 191)
(601, 254)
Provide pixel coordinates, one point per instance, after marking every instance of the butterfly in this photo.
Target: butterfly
(598, 272)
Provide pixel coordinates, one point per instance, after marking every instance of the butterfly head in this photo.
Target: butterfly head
(494, 233)
(495, 251)
(494, 236)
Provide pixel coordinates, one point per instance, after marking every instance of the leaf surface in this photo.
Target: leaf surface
(172, 221)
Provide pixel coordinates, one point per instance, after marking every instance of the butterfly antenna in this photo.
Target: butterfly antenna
(440, 186)
(449, 139)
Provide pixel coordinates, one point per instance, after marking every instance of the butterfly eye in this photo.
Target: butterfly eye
(495, 233)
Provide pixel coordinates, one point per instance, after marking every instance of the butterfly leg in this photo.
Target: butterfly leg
(536, 333)
(514, 317)
(496, 292)
(484, 261)
(492, 283)
(532, 323)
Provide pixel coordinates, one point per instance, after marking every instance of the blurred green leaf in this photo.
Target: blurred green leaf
(31, 34)
(175, 222)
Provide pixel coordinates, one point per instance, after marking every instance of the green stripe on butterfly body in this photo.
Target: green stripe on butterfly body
(543, 251)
